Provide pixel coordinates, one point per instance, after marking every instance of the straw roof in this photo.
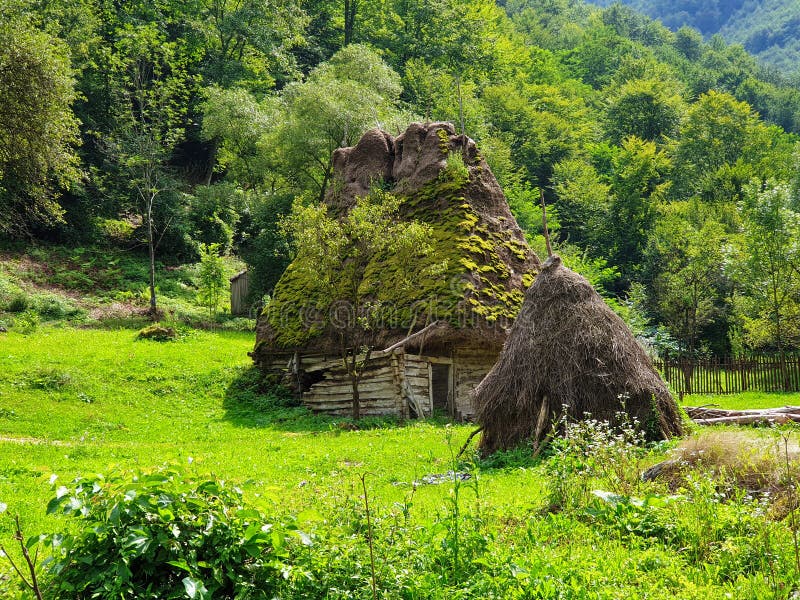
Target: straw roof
(489, 264)
(569, 353)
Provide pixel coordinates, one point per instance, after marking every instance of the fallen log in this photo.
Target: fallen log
(703, 412)
(763, 419)
(705, 415)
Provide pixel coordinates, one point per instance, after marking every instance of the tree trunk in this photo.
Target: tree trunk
(779, 335)
(151, 248)
(460, 104)
(356, 399)
(350, 11)
(687, 367)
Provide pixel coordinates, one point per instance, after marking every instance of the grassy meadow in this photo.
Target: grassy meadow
(81, 401)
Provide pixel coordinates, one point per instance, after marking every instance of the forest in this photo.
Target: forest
(670, 164)
(766, 28)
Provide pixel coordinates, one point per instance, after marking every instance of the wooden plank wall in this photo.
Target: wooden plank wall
(471, 366)
(392, 384)
(417, 379)
(379, 390)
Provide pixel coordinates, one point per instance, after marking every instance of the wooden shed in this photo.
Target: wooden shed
(240, 288)
(451, 327)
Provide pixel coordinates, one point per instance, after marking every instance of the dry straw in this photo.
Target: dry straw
(569, 353)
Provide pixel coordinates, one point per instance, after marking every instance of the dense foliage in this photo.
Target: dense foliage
(160, 535)
(201, 123)
(766, 28)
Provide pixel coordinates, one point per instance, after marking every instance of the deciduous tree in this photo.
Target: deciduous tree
(338, 252)
(151, 88)
(769, 267)
(38, 131)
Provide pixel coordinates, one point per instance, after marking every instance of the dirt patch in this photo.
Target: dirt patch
(32, 441)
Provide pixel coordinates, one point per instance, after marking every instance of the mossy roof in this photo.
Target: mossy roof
(478, 292)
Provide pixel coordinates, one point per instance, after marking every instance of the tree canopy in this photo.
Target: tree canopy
(204, 122)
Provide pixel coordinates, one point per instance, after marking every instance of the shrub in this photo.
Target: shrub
(455, 170)
(17, 303)
(215, 213)
(161, 534)
(265, 250)
(591, 450)
(157, 333)
(50, 306)
(27, 322)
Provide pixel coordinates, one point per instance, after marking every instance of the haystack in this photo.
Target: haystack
(569, 354)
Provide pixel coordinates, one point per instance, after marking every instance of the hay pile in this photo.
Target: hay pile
(737, 461)
(569, 353)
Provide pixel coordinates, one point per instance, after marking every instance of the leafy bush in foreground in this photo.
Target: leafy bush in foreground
(158, 535)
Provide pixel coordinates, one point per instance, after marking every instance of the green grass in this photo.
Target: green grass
(83, 401)
(745, 400)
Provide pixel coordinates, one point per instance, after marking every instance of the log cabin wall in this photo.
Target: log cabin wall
(400, 384)
(471, 364)
(417, 384)
(379, 390)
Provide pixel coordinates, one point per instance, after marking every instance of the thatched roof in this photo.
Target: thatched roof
(489, 264)
(568, 352)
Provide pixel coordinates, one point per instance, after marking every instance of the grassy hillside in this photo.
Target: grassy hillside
(83, 401)
(98, 286)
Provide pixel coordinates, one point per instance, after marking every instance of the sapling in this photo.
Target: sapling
(211, 275)
(363, 478)
(31, 582)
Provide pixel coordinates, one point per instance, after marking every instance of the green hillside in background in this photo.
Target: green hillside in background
(768, 29)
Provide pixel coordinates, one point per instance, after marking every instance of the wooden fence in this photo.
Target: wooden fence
(730, 374)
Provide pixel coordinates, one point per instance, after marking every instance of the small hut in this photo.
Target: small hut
(445, 333)
(240, 288)
(569, 354)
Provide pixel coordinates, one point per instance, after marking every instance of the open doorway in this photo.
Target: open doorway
(440, 387)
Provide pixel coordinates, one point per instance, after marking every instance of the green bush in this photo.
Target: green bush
(53, 307)
(162, 534)
(215, 213)
(265, 250)
(18, 303)
(27, 322)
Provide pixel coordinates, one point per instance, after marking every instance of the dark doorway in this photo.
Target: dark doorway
(440, 387)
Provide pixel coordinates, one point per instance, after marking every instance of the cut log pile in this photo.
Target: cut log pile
(706, 415)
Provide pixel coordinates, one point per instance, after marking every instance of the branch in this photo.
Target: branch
(544, 224)
(33, 584)
(469, 439)
(409, 339)
(16, 568)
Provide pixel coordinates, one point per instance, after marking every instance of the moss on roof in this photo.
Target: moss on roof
(474, 286)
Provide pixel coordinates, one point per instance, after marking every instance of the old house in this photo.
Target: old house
(445, 333)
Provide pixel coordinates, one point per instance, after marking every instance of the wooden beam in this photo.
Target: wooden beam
(411, 338)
